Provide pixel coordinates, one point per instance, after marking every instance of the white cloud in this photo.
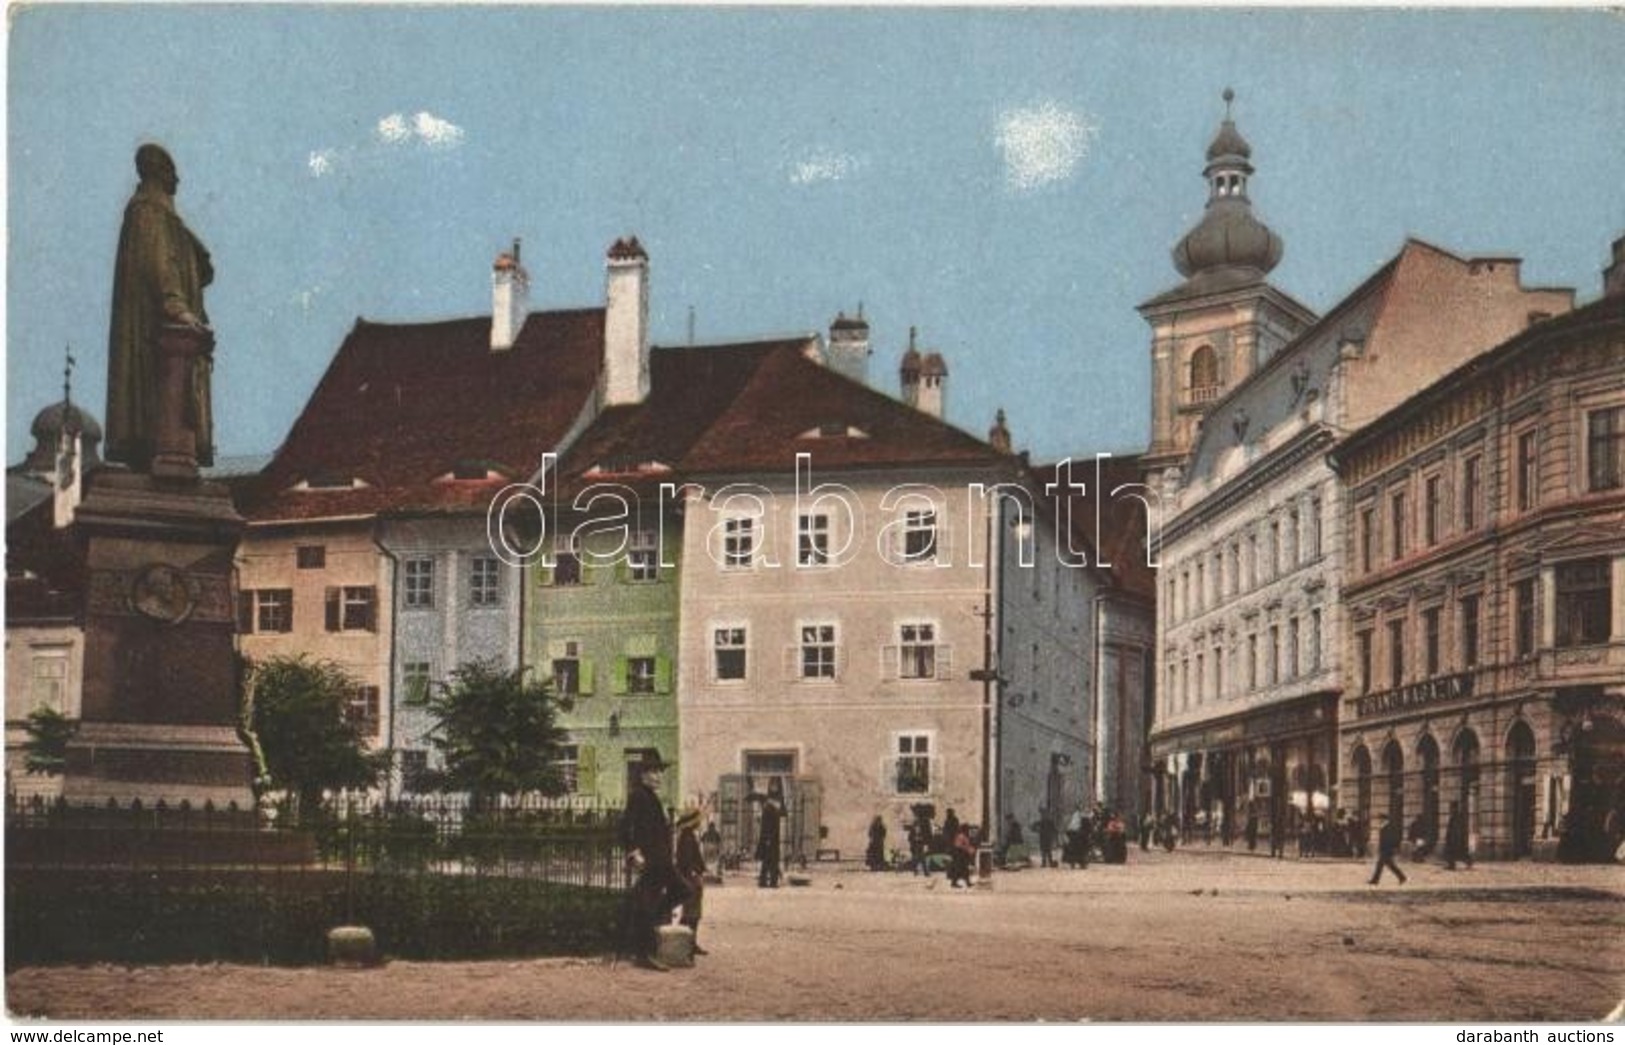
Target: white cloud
(389, 134)
(420, 128)
(436, 132)
(1043, 144)
(824, 166)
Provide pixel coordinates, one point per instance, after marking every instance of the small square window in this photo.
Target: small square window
(311, 556)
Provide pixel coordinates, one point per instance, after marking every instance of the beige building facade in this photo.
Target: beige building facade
(1485, 541)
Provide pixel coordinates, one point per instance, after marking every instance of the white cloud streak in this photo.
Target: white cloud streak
(390, 134)
(824, 166)
(1043, 144)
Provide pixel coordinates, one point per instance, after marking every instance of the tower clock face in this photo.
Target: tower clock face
(162, 593)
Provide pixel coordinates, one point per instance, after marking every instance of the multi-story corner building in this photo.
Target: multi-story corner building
(1485, 583)
(1250, 618)
(854, 623)
(367, 540)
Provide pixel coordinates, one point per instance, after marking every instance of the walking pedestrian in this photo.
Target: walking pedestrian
(960, 857)
(1387, 849)
(646, 835)
(690, 863)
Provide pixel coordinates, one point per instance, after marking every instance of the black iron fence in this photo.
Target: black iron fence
(433, 876)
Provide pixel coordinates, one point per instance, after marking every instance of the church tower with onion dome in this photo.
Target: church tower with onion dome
(1226, 319)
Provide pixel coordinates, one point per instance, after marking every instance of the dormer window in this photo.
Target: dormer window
(328, 481)
(834, 430)
(470, 470)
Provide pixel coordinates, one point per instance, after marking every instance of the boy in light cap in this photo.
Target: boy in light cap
(691, 871)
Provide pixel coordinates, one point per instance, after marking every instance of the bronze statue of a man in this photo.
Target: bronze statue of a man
(159, 279)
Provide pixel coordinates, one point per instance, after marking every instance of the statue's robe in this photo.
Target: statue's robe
(159, 278)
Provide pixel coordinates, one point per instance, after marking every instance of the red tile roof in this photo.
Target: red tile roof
(750, 408)
(401, 405)
(1122, 522)
(789, 395)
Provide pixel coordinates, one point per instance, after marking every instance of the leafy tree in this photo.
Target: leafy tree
(496, 731)
(298, 719)
(46, 749)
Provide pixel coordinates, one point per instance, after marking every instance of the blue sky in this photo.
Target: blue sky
(1009, 181)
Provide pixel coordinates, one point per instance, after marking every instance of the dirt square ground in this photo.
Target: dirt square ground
(1197, 935)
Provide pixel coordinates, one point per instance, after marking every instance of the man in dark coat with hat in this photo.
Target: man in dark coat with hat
(1387, 848)
(769, 843)
(646, 834)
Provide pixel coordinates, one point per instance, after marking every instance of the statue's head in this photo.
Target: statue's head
(153, 163)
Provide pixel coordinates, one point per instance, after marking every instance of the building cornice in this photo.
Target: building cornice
(1272, 466)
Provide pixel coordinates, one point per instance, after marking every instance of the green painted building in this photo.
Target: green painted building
(601, 622)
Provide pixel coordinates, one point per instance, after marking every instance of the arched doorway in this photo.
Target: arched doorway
(1393, 767)
(1520, 788)
(1465, 752)
(1427, 753)
(1362, 784)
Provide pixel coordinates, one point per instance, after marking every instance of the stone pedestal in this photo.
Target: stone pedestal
(161, 687)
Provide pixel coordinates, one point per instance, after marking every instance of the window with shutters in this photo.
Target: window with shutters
(917, 650)
(273, 609)
(352, 608)
(640, 675)
(912, 763)
(567, 672)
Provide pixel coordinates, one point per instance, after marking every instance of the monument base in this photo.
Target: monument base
(161, 690)
(122, 762)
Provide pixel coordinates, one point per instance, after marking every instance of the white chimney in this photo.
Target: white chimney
(849, 346)
(626, 324)
(932, 397)
(510, 299)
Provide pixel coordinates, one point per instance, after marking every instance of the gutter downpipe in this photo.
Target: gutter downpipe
(1100, 699)
(394, 620)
